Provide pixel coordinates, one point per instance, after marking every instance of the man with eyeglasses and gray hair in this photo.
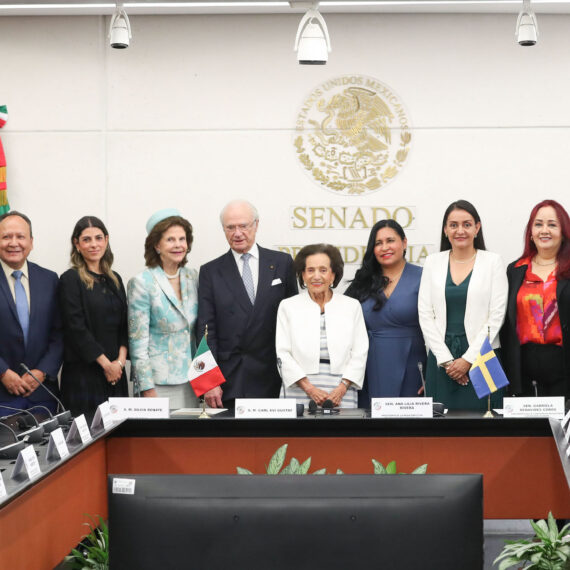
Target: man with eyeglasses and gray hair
(238, 296)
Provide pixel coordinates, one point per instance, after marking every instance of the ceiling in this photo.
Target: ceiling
(98, 7)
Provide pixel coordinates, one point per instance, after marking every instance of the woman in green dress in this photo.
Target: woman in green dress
(462, 299)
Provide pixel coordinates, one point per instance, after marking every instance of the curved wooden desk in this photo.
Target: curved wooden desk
(523, 477)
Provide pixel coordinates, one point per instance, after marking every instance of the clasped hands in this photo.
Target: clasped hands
(319, 396)
(21, 385)
(457, 370)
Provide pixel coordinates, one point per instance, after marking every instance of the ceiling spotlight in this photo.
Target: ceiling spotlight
(119, 29)
(526, 31)
(312, 43)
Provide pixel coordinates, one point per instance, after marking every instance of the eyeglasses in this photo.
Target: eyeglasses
(241, 227)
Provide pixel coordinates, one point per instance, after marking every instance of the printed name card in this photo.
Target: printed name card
(102, 419)
(27, 463)
(57, 447)
(141, 408)
(265, 408)
(401, 408)
(79, 431)
(534, 407)
(2, 487)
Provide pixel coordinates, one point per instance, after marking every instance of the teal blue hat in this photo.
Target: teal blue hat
(159, 216)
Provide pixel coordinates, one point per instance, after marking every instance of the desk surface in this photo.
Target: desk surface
(523, 476)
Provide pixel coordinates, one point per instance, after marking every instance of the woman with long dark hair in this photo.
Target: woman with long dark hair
(387, 287)
(535, 337)
(94, 313)
(462, 299)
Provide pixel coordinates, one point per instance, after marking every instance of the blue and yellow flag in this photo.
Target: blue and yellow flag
(486, 374)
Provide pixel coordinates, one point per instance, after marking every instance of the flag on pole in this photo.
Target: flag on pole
(4, 206)
(205, 373)
(486, 373)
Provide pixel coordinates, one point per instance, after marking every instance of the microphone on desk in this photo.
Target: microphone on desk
(535, 387)
(33, 433)
(438, 407)
(326, 409)
(11, 450)
(65, 416)
(50, 424)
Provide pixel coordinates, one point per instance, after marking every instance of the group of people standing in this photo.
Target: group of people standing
(433, 319)
(269, 339)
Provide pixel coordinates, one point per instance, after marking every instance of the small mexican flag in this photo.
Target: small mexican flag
(205, 373)
(4, 206)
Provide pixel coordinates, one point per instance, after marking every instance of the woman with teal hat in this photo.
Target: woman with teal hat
(163, 305)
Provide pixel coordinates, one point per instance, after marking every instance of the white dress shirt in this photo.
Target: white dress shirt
(11, 281)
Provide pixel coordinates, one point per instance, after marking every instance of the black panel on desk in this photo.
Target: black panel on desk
(432, 522)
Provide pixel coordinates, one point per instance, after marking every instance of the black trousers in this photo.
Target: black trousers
(544, 364)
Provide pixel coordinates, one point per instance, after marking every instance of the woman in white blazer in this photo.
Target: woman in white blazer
(462, 299)
(163, 306)
(321, 338)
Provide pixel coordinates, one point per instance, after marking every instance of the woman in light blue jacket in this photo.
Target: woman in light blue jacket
(163, 305)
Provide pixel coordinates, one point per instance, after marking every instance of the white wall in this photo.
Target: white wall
(202, 109)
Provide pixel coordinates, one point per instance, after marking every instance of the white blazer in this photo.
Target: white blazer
(298, 338)
(484, 311)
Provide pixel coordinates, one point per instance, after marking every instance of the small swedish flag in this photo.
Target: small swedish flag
(486, 373)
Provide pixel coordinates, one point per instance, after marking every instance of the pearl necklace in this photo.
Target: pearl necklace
(464, 260)
(173, 276)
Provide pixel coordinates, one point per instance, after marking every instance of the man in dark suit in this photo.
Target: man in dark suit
(238, 297)
(30, 330)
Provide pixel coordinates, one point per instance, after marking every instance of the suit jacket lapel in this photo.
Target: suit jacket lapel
(266, 273)
(518, 274)
(5, 288)
(162, 281)
(229, 272)
(560, 286)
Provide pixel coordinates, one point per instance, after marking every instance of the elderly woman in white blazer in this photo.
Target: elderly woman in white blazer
(321, 338)
(163, 306)
(462, 299)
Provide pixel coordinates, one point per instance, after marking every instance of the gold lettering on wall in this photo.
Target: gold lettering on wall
(348, 217)
(353, 254)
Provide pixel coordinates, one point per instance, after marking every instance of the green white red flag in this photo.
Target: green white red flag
(205, 373)
(4, 206)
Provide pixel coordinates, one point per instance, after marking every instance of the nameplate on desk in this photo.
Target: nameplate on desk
(566, 420)
(139, 408)
(401, 408)
(2, 487)
(265, 408)
(57, 448)
(27, 462)
(102, 419)
(79, 431)
(552, 407)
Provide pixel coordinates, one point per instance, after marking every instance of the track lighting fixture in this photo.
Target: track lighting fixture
(312, 43)
(527, 28)
(119, 29)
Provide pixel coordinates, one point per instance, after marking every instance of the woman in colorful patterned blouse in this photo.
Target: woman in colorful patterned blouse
(535, 336)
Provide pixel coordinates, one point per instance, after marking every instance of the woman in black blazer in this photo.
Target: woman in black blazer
(535, 337)
(94, 313)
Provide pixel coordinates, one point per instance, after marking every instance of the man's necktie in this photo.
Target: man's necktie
(248, 277)
(21, 303)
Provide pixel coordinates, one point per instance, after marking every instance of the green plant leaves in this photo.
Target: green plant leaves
(276, 462)
(549, 550)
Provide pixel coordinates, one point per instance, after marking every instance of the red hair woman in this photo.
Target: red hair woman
(535, 337)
